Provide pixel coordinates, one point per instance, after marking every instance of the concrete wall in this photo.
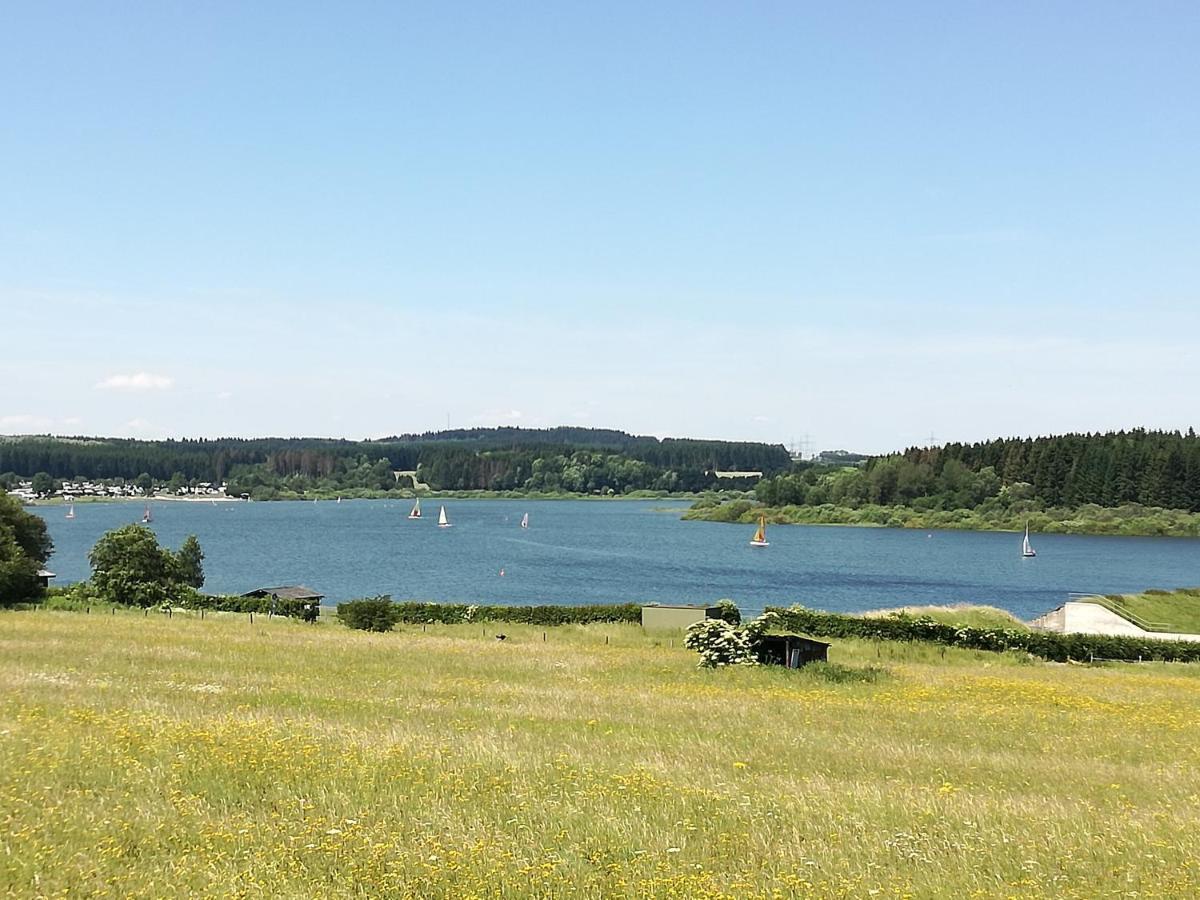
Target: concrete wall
(1092, 618)
(675, 618)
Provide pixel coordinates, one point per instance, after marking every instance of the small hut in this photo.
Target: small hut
(310, 598)
(790, 650)
(44, 576)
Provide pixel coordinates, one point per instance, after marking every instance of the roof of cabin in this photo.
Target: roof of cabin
(286, 592)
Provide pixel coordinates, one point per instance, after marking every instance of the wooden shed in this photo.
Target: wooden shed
(676, 618)
(310, 598)
(790, 650)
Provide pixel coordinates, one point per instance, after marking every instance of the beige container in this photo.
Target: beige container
(676, 618)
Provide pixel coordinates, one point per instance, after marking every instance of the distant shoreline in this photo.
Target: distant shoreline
(380, 495)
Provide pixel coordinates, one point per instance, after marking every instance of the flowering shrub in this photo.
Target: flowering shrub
(720, 644)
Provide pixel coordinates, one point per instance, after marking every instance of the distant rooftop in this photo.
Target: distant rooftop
(286, 592)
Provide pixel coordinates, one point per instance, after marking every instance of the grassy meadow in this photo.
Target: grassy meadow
(1160, 610)
(156, 757)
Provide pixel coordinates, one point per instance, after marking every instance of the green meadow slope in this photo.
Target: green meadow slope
(155, 757)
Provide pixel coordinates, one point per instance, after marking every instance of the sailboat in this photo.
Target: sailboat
(146, 517)
(760, 536)
(71, 512)
(1026, 547)
(442, 522)
(525, 520)
(416, 510)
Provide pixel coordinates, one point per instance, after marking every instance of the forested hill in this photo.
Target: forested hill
(1151, 468)
(1154, 468)
(558, 459)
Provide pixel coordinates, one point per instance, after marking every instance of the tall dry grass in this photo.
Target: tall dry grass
(152, 757)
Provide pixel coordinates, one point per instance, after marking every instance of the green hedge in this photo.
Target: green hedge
(1047, 645)
(297, 609)
(454, 613)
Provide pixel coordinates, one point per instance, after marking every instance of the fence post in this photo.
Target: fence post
(251, 618)
(88, 609)
(543, 637)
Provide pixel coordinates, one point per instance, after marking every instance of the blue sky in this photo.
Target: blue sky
(862, 222)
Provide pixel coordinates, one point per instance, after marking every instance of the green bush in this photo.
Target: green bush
(456, 613)
(1044, 644)
(370, 613)
(729, 612)
(836, 673)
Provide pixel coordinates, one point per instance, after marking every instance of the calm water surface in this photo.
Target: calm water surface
(620, 551)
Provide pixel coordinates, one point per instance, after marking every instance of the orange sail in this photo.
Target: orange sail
(760, 536)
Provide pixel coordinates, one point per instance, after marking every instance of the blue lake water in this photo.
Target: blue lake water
(620, 551)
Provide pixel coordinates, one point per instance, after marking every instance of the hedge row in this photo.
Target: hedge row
(1047, 645)
(297, 609)
(453, 613)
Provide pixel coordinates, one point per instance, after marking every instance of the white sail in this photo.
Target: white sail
(1026, 547)
(525, 520)
(71, 512)
(442, 521)
(416, 510)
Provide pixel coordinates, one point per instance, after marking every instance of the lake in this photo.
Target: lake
(578, 551)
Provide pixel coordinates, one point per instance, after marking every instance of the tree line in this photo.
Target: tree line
(1151, 468)
(557, 459)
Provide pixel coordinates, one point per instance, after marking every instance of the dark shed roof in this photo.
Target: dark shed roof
(286, 592)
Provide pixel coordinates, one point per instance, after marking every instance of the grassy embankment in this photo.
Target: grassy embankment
(155, 757)
(1130, 519)
(1159, 610)
(969, 615)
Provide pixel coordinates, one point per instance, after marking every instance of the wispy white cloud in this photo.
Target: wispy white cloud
(137, 381)
(138, 424)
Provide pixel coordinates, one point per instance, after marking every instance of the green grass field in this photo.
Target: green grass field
(1177, 610)
(155, 757)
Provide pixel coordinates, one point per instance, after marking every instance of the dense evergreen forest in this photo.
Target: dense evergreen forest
(1151, 468)
(498, 459)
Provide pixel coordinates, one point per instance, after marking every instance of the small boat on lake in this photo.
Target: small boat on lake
(146, 517)
(525, 520)
(416, 510)
(760, 536)
(1026, 547)
(71, 512)
(443, 522)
